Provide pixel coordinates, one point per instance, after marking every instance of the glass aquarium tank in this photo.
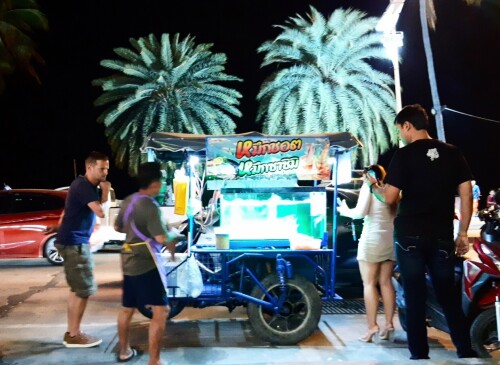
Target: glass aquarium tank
(286, 214)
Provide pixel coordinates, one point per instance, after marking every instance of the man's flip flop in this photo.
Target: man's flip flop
(132, 355)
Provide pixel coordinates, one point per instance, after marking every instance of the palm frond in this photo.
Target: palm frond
(20, 20)
(325, 82)
(171, 85)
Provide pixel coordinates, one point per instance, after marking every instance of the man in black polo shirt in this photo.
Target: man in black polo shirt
(83, 204)
(428, 173)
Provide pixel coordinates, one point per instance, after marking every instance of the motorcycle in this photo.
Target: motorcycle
(479, 282)
(481, 286)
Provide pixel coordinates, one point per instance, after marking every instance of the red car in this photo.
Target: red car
(24, 215)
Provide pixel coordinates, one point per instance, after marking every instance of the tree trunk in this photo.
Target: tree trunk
(436, 104)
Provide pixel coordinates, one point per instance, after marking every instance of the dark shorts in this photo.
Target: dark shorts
(79, 267)
(143, 290)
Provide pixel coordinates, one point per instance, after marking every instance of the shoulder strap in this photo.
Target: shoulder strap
(130, 209)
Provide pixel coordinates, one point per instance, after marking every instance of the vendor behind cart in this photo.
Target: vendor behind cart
(143, 279)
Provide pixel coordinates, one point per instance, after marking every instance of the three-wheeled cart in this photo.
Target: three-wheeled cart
(271, 251)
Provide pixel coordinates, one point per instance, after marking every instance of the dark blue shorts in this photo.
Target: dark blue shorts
(143, 290)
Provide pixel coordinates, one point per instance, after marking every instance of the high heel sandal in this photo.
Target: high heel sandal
(371, 336)
(387, 334)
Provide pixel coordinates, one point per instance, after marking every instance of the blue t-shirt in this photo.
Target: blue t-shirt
(476, 192)
(78, 221)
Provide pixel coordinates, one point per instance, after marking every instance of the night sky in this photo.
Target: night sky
(43, 129)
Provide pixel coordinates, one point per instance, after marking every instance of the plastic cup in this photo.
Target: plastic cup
(221, 241)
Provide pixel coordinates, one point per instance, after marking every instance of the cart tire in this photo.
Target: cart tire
(298, 318)
(484, 335)
(176, 306)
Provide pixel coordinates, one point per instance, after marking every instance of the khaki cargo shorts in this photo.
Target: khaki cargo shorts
(79, 269)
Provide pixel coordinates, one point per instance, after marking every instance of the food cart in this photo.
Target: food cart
(270, 251)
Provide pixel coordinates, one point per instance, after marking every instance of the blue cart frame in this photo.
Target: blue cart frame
(281, 288)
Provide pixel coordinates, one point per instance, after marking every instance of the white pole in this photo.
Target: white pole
(397, 83)
(392, 40)
(497, 311)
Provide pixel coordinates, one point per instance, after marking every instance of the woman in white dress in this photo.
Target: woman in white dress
(375, 254)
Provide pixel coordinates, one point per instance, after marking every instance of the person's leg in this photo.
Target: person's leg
(156, 331)
(411, 261)
(369, 275)
(387, 291)
(442, 271)
(151, 292)
(475, 206)
(81, 281)
(76, 308)
(124, 318)
(78, 267)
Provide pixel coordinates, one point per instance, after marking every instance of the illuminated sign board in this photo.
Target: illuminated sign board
(272, 157)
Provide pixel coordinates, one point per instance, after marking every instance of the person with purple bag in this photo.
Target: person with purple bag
(143, 277)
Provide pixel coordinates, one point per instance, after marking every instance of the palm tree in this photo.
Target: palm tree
(19, 19)
(428, 20)
(169, 85)
(328, 84)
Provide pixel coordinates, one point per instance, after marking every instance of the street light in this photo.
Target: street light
(392, 41)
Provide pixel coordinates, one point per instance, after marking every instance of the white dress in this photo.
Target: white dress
(376, 241)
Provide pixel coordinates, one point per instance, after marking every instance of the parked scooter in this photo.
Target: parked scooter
(480, 288)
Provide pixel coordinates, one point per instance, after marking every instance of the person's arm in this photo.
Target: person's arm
(105, 194)
(97, 208)
(119, 228)
(119, 225)
(387, 194)
(168, 243)
(100, 207)
(157, 229)
(462, 241)
(54, 229)
(362, 206)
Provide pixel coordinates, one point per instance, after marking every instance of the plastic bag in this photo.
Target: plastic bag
(189, 277)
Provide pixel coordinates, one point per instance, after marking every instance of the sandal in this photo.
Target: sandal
(387, 334)
(132, 355)
(371, 336)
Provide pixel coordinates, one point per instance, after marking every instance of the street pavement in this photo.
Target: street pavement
(210, 336)
(33, 321)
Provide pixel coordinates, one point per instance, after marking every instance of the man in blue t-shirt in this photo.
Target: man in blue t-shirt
(428, 174)
(476, 194)
(75, 227)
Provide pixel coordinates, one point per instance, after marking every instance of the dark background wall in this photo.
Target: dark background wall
(44, 129)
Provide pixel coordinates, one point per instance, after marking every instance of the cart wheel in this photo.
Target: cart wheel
(176, 306)
(296, 320)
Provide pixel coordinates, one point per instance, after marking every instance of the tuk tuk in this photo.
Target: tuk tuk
(269, 250)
